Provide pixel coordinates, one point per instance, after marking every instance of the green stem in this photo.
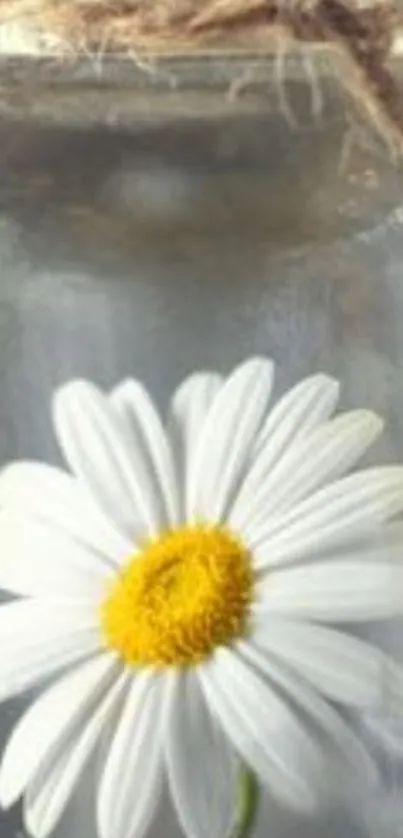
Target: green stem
(247, 804)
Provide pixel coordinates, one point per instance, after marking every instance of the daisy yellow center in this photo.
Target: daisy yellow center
(186, 593)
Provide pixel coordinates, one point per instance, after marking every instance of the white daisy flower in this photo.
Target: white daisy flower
(179, 582)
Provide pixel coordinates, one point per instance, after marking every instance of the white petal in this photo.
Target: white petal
(354, 756)
(50, 721)
(334, 591)
(37, 560)
(101, 454)
(340, 666)
(262, 728)
(190, 405)
(130, 785)
(295, 415)
(149, 438)
(53, 497)
(352, 507)
(35, 641)
(49, 792)
(311, 461)
(228, 433)
(385, 731)
(392, 687)
(202, 765)
(384, 544)
(301, 409)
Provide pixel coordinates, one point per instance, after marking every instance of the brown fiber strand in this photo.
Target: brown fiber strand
(366, 41)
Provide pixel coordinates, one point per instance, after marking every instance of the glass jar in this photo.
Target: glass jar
(164, 215)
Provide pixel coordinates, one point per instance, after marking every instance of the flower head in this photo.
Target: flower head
(178, 582)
